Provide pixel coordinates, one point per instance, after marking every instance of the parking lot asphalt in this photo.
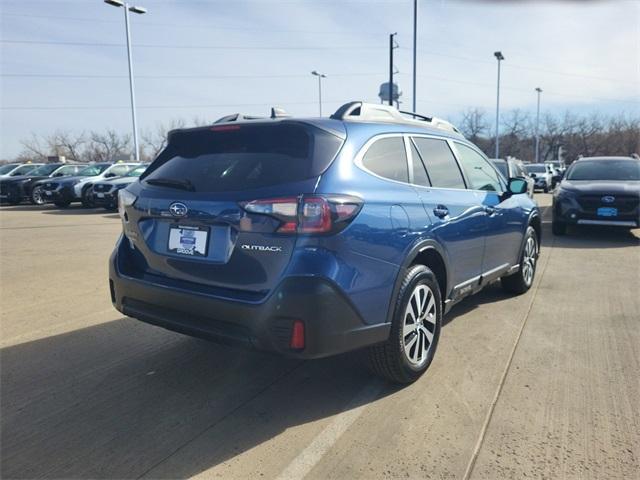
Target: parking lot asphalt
(544, 385)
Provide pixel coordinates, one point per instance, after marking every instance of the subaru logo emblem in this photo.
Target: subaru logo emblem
(608, 199)
(178, 209)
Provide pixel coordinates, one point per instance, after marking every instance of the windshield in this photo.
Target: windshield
(536, 169)
(136, 172)
(7, 168)
(229, 158)
(44, 170)
(502, 168)
(605, 170)
(93, 170)
(23, 170)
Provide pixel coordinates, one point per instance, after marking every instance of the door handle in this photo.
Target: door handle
(440, 211)
(489, 210)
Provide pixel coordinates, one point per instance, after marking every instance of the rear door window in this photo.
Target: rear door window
(480, 174)
(232, 157)
(387, 158)
(441, 165)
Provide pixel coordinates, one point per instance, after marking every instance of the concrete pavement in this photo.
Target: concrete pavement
(544, 385)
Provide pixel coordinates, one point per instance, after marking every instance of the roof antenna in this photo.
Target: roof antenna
(278, 112)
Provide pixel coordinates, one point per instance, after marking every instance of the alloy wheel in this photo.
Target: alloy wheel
(529, 260)
(419, 325)
(36, 195)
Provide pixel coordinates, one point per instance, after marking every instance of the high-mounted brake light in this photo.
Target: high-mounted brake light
(308, 213)
(225, 128)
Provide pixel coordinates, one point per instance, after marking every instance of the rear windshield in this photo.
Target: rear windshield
(536, 169)
(228, 158)
(605, 170)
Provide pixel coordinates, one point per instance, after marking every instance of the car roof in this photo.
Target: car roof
(350, 117)
(607, 158)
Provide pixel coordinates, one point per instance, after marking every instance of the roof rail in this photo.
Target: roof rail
(374, 112)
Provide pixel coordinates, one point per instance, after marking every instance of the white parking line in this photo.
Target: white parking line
(322, 443)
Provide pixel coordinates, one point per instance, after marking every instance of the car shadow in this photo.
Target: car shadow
(118, 399)
(597, 237)
(22, 208)
(490, 294)
(74, 210)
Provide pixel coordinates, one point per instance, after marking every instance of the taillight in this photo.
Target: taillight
(308, 213)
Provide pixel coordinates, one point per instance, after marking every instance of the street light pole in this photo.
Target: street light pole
(415, 47)
(320, 77)
(391, 48)
(139, 10)
(499, 57)
(539, 90)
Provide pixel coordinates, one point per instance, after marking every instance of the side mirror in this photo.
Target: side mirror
(533, 175)
(516, 186)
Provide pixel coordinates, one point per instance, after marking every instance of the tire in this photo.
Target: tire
(408, 351)
(62, 203)
(558, 228)
(36, 196)
(521, 281)
(545, 189)
(85, 198)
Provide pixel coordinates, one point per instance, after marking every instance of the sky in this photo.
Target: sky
(63, 63)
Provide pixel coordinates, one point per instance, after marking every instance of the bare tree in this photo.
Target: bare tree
(36, 147)
(474, 123)
(155, 140)
(516, 128)
(106, 147)
(71, 144)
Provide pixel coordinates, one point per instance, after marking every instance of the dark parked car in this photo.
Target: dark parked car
(17, 169)
(312, 237)
(75, 189)
(105, 193)
(598, 191)
(514, 168)
(27, 187)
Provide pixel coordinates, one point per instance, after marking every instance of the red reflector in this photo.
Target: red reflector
(297, 335)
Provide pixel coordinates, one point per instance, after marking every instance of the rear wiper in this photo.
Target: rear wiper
(172, 183)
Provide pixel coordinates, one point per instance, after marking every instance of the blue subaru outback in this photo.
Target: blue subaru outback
(313, 237)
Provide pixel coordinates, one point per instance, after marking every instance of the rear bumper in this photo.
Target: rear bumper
(332, 325)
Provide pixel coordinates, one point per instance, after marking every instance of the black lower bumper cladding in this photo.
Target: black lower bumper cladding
(331, 323)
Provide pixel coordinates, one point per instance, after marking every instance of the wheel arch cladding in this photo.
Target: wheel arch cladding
(431, 258)
(536, 223)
